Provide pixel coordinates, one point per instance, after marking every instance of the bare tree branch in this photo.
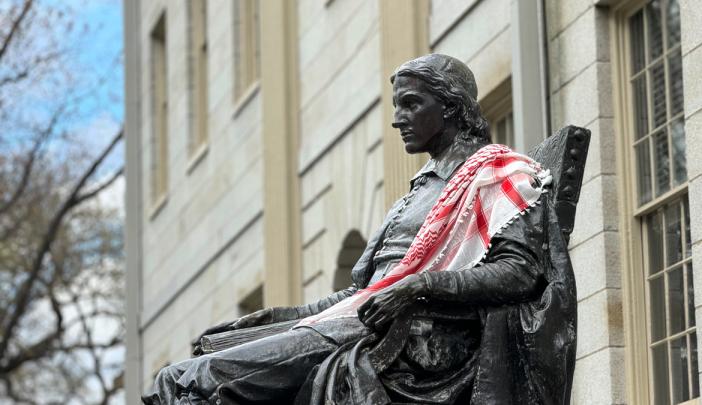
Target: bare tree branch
(19, 76)
(14, 78)
(15, 27)
(29, 162)
(90, 194)
(24, 296)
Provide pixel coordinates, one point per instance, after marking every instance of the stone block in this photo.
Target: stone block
(583, 42)
(586, 97)
(692, 81)
(697, 279)
(492, 65)
(317, 288)
(695, 194)
(316, 182)
(327, 25)
(597, 209)
(693, 145)
(560, 14)
(309, 12)
(372, 128)
(600, 322)
(325, 118)
(600, 378)
(691, 25)
(601, 157)
(443, 15)
(329, 60)
(596, 264)
(476, 29)
(314, 220)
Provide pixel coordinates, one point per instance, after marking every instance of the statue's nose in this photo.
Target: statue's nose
(399, 124)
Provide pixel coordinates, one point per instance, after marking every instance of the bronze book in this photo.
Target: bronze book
(220, 341)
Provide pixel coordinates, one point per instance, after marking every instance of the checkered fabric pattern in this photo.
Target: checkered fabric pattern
(491, 188)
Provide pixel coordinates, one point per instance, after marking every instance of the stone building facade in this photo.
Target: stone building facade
(260, 157)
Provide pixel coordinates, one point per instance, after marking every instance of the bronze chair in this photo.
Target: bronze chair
(563, 153)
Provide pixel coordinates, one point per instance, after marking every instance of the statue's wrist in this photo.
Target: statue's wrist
(281, 314)
(424, 283)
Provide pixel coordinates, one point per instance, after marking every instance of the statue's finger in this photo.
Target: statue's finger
(197, 351)
(363, 309)
(373, 316)
(380, 323)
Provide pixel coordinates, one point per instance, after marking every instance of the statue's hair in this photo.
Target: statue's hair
(452, 90)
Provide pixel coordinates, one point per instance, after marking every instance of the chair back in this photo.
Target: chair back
(564, 154)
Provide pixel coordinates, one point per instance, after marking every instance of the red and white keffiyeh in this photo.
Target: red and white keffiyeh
(486, 193)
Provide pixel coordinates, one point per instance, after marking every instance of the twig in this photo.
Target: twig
(15, 27)
(24, 295)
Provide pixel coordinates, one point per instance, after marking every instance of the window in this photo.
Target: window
(198, 71)
(252, 302)
(246, 46)
(498, 111)
(159, 94)
(652, 75)
(502, 130)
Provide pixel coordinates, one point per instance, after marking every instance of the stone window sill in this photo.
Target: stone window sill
(157, 206)
(197, 157)
(246, 97)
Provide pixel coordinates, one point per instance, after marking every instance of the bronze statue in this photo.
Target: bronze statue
(464, 295)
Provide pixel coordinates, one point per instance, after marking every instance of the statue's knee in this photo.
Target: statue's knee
(203, 364)
(168, 375)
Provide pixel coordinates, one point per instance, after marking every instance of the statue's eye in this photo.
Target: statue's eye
(411, 103)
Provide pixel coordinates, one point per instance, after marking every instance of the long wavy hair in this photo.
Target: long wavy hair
(454, 86)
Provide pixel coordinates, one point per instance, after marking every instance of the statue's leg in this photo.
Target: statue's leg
(165, 390)
(267, 370)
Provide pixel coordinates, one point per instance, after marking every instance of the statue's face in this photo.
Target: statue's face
(418, 114)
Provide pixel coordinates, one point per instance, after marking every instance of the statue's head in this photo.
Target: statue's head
(452, 83)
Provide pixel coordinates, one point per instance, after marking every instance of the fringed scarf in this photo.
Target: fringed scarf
(493, 186)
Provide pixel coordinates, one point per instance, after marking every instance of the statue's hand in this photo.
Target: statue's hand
(383, 306)
(260, 317)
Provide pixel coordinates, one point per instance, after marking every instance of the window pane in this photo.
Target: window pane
(643, 165)
(690, 296)
(640, 106)
(655, 39)
(695, 368)
(675, 83)
(673, 23)
(661, 162)
(678, 365)
(657, 77)
(677, 135)
(688, 238)
(657, 296)
(655, 242)
(673, 234)
(659, 368)
(638, 50)
(676, 301)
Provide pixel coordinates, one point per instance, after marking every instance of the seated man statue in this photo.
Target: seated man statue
(464, 295)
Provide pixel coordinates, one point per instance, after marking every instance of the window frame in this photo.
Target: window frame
(633, 235)
(246, 51)
(198, 72)
(497, 106)
(160, 105)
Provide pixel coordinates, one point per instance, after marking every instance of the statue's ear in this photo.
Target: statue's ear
(449, 110)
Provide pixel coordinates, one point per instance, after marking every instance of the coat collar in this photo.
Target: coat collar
(444, 165)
